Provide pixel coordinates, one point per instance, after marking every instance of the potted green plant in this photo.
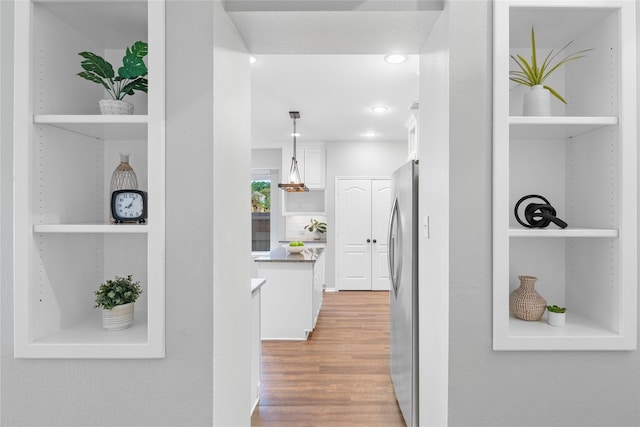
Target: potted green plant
(556, 315)
(131, 77)
(116, 298)
(318, 228)
(537, 101)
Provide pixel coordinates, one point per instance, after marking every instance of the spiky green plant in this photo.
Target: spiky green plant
(532, 74)
(315, 225)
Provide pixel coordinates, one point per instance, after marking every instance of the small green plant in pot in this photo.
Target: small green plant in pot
(556, 315)
(130, 77)
(116, 297)
(318, 228)
(533, 74)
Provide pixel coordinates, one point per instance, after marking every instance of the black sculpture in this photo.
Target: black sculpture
(538, 215)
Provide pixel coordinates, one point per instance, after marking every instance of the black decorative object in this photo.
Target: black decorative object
(538, 215)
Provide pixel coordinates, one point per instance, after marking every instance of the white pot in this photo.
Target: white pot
(537, 102)
(556, 319)
(118, 318)
(317, 235)
(113, 107)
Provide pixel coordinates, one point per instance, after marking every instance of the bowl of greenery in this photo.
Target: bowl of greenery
(295, 247)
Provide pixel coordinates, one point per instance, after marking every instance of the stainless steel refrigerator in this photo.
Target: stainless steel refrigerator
(403, 296)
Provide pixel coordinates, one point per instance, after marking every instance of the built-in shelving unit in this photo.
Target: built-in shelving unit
(64, 155)
(583, 158)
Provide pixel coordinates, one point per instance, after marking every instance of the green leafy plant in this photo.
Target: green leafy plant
(556, 309)
(130, 76)
(531, 73)
(315, 225)
(120, 290)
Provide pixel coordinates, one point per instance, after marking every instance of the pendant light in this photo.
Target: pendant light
(294, 184)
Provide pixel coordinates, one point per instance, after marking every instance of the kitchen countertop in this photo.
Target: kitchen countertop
(282, 255)
(303, 241)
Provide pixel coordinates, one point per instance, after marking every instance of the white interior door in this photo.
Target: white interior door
(380, 207)
(353, 229)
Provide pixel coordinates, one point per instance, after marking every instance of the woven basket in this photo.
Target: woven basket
(525, 303)
(113, 107)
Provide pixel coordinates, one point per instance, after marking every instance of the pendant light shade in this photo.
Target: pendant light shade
(294, 184)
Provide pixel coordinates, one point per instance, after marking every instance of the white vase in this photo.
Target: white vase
(118, 318)
(555, 319)
(114, 107)
(317, 235)
(537, 102)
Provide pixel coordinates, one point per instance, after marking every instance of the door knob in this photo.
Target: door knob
(374, 240)
(368, 240)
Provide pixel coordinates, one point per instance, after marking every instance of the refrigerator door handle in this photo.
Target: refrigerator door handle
(391, 255)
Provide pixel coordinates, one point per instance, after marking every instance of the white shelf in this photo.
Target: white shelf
(556, 127)
(96, 126)
(64, 246)
(92, 228)
(583, 158)
(579, 333)
(87, 339)
(566, 232)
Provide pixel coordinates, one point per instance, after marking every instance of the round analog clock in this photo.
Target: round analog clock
(129, 206)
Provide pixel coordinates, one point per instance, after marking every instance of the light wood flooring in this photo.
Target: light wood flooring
(339, 376)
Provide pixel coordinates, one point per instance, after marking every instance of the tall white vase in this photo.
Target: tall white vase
(537, 102)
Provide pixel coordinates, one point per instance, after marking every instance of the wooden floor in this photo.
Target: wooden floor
(340, 376)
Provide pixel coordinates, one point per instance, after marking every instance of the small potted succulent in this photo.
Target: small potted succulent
(556, 315)
(116, 298)
(533, 74)
(131, 77)
(318, 228)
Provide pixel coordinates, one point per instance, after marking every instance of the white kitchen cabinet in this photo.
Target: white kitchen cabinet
(311, 164)
(256, 340)
(583, 159)
(65, 153)
(312, 167)
(292, 299)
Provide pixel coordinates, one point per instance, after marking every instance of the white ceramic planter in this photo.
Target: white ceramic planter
(556, 319)
(537, 102)
(118, 318)
(113, 107)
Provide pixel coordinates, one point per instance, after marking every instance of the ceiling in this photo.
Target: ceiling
(325, 58)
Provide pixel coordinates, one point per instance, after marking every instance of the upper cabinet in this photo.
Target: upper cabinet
(65, 153)
(582, 158)
(312, 167)
(311, 164)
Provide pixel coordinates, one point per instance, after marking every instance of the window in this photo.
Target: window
(260, 214)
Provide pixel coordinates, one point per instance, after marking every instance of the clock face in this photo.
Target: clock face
(128, 205)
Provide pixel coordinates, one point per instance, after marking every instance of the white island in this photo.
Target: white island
(291, 303)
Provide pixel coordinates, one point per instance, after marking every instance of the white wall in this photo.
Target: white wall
(433, 270)
(231, 223)
(204, 379)
(486, 387)
(362, 159)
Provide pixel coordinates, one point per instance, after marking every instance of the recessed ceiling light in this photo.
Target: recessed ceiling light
(253, 59)
(395, 59)
(371, 133)
(380, 109)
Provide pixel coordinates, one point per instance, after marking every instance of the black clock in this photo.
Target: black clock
(129, 206)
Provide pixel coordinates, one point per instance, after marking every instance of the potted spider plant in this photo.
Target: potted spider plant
(556, 315)
(116, 297)
(130, 78)
(532, 73)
